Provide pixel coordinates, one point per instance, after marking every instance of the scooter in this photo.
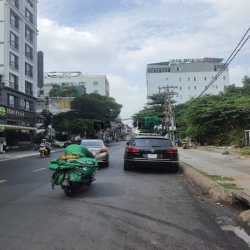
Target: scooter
(43, 151)
(73, 172)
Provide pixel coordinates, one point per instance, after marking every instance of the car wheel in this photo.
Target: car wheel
(175, 169)
(105, 164)
(126, 166)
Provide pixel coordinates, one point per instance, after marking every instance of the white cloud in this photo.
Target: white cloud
(121, 43)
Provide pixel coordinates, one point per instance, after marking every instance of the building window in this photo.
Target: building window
(14, 61)
(224, 78)
(15, 3)
(28, 51)
(95, 83)
(177, 69)
(30, 3)
(96, 91)
(28, 15)
(14, 41)
(14, 20)
(188, 78)
(180, 88)
(27, 105)
(216, 86)
(167, 79)
(12, 100)
(194, 78)
(13, 81)
(29, 34)
(194, 87)
(180, 79)
(181, 96)
(205, 78)
(41, 92)
(188, 87)
(28, 70)
(28, 88)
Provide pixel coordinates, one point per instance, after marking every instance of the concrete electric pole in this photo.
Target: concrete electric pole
(169, 119)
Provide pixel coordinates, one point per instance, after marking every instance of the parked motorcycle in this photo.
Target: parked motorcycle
(43, 151)
(73, 172)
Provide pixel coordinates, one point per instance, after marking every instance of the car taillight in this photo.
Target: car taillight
(133, 150)
(103, 150)
(172, 151)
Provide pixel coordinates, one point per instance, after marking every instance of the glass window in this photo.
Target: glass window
(224, 78)
(28, 51)
(152, 142)
(95, 83)
(180, 79)
(27, 105)
(188, 87)
(14, 61)
(194, 87)
(28, 88)
(205, 78)
(188, 78)
(28, 70)
(14, 41)
(15, 3)
(91, 143)
(28, 15)
(30, 3)
(29, 33)
(96, 91)
(180, 88)
(194, 78)
(14, 20)
(12, 100)
(13, 81)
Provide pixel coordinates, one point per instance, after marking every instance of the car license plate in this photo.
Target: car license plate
(152, 156)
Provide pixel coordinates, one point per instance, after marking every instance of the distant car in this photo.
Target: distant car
(151, 151)
(59, 144)
(98, 148)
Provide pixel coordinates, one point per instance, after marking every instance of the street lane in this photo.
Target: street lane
(141, 209)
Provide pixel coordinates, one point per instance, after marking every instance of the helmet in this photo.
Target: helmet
(44, 139)
(77, 139)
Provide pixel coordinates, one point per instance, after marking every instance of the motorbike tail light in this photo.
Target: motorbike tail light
(133, 150)
(172, 151)
(103, 150)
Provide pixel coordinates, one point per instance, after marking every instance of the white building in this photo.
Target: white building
(93, 84)
(18, 60)
(189, 76)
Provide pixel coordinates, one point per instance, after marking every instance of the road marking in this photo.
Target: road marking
(40, 169)
(2, 181)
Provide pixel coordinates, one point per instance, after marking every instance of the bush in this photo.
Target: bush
(226, 152)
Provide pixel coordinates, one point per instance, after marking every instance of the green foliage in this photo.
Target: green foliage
(69, 91)
(226, 152)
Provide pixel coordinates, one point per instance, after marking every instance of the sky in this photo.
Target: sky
(118, 38)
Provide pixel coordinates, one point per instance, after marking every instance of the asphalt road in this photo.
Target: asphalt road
(142, 209)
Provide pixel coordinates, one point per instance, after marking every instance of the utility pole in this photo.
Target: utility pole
(169, 119)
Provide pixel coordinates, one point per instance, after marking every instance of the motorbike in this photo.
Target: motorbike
(43, 151)
(184, 144)
(73, 173)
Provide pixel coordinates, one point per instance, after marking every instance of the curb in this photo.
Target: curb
(208, 187)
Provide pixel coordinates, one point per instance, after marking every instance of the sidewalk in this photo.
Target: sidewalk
(11, 155)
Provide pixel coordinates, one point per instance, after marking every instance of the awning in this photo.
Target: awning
(14, 127)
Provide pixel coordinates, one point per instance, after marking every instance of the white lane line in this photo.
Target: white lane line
(40, 169)
(2, 181)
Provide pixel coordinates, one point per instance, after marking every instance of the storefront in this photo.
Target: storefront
(17, 127)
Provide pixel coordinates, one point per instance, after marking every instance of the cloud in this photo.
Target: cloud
(120, 41)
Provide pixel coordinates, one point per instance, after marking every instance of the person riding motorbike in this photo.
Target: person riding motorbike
(46, 144)
(76, 148)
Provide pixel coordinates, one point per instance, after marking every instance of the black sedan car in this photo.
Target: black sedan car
(151, 151)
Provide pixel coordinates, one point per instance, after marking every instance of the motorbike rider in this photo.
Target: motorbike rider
(76, 148)
(46, 144)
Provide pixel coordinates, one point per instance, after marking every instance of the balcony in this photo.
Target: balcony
(13, 44)
(29, 55)
(29, 73)
(14, 65)
(14, 23)
(14, 86)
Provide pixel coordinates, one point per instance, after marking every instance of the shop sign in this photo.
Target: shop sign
(9, 112)
(190, 60)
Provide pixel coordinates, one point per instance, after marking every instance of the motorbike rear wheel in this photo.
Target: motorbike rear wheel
(68, 191)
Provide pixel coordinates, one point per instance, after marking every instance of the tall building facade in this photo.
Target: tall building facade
(189, 77)
(93, 83)
(18, 64)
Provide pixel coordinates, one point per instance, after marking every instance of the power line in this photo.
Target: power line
(229, 60)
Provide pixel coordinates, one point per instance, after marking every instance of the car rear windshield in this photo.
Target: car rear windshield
(152, 142)
(92, 143)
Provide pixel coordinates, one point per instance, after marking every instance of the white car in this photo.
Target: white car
(59, 144)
